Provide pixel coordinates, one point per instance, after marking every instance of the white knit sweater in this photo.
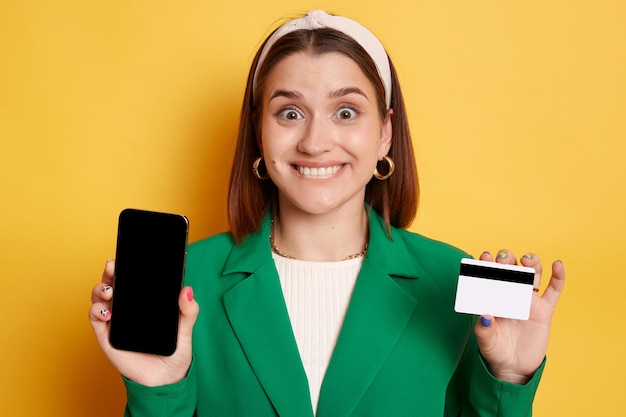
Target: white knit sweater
(317, 295)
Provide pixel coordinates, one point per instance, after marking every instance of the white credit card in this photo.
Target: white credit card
(495, 289)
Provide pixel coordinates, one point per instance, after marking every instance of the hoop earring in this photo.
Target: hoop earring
(255, 169)
(392, 168)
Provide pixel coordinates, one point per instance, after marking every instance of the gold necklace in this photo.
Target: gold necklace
(284, 255)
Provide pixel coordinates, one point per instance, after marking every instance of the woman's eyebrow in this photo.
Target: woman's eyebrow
(286, 93)
(341, 92)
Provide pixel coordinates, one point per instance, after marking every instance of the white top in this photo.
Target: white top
(317, 295)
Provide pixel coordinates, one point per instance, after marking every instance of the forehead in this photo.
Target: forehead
(317, 70)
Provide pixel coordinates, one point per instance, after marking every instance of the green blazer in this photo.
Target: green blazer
(402, 350)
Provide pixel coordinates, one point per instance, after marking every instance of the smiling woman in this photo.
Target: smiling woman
(344, 310)
(367, 59)
(321, 137)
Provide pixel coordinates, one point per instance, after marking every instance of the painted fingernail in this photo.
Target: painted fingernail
(190, 294)
(107, 288)
(502, 255)
(485, 321)
(528, 256)
(105, 313)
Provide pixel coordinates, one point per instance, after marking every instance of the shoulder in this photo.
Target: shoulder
(410, 254)
(432, 254)
(208, 254)
(211, 243)
(401, 246)
(403, 242)
(427, 247)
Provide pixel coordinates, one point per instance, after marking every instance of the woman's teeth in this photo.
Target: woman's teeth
(319, 172)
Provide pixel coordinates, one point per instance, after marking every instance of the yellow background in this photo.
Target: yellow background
(517, 111)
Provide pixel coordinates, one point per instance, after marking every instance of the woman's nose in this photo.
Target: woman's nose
(317, 137)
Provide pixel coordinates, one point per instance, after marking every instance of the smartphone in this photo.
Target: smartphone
(149, 270)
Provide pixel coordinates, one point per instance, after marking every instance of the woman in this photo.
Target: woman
(318, 302)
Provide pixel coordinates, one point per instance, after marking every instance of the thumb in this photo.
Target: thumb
(486, 334)
(189, 310)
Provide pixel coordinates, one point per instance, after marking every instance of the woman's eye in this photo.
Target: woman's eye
(346, 113)
(290, 114)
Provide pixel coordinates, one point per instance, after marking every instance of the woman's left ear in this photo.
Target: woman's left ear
(386, 135)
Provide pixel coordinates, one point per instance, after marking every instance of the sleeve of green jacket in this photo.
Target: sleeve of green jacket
(164, 401)
(475, 392)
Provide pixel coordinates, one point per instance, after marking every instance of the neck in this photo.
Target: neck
(330, 237)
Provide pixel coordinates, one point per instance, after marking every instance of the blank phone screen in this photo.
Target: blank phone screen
(149, 270)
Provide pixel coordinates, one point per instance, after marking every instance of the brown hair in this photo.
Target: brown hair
(250, 199)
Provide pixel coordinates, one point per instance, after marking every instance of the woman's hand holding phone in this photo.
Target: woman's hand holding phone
(143, 368)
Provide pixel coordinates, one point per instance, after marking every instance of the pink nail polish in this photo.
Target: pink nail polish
(105, 313)
(190, 294)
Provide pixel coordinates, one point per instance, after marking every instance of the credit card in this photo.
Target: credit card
(495, 289)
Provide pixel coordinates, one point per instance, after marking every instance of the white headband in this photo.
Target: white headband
(317, 19)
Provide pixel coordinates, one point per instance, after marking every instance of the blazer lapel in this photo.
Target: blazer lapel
(378, 313)
(258, 315)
